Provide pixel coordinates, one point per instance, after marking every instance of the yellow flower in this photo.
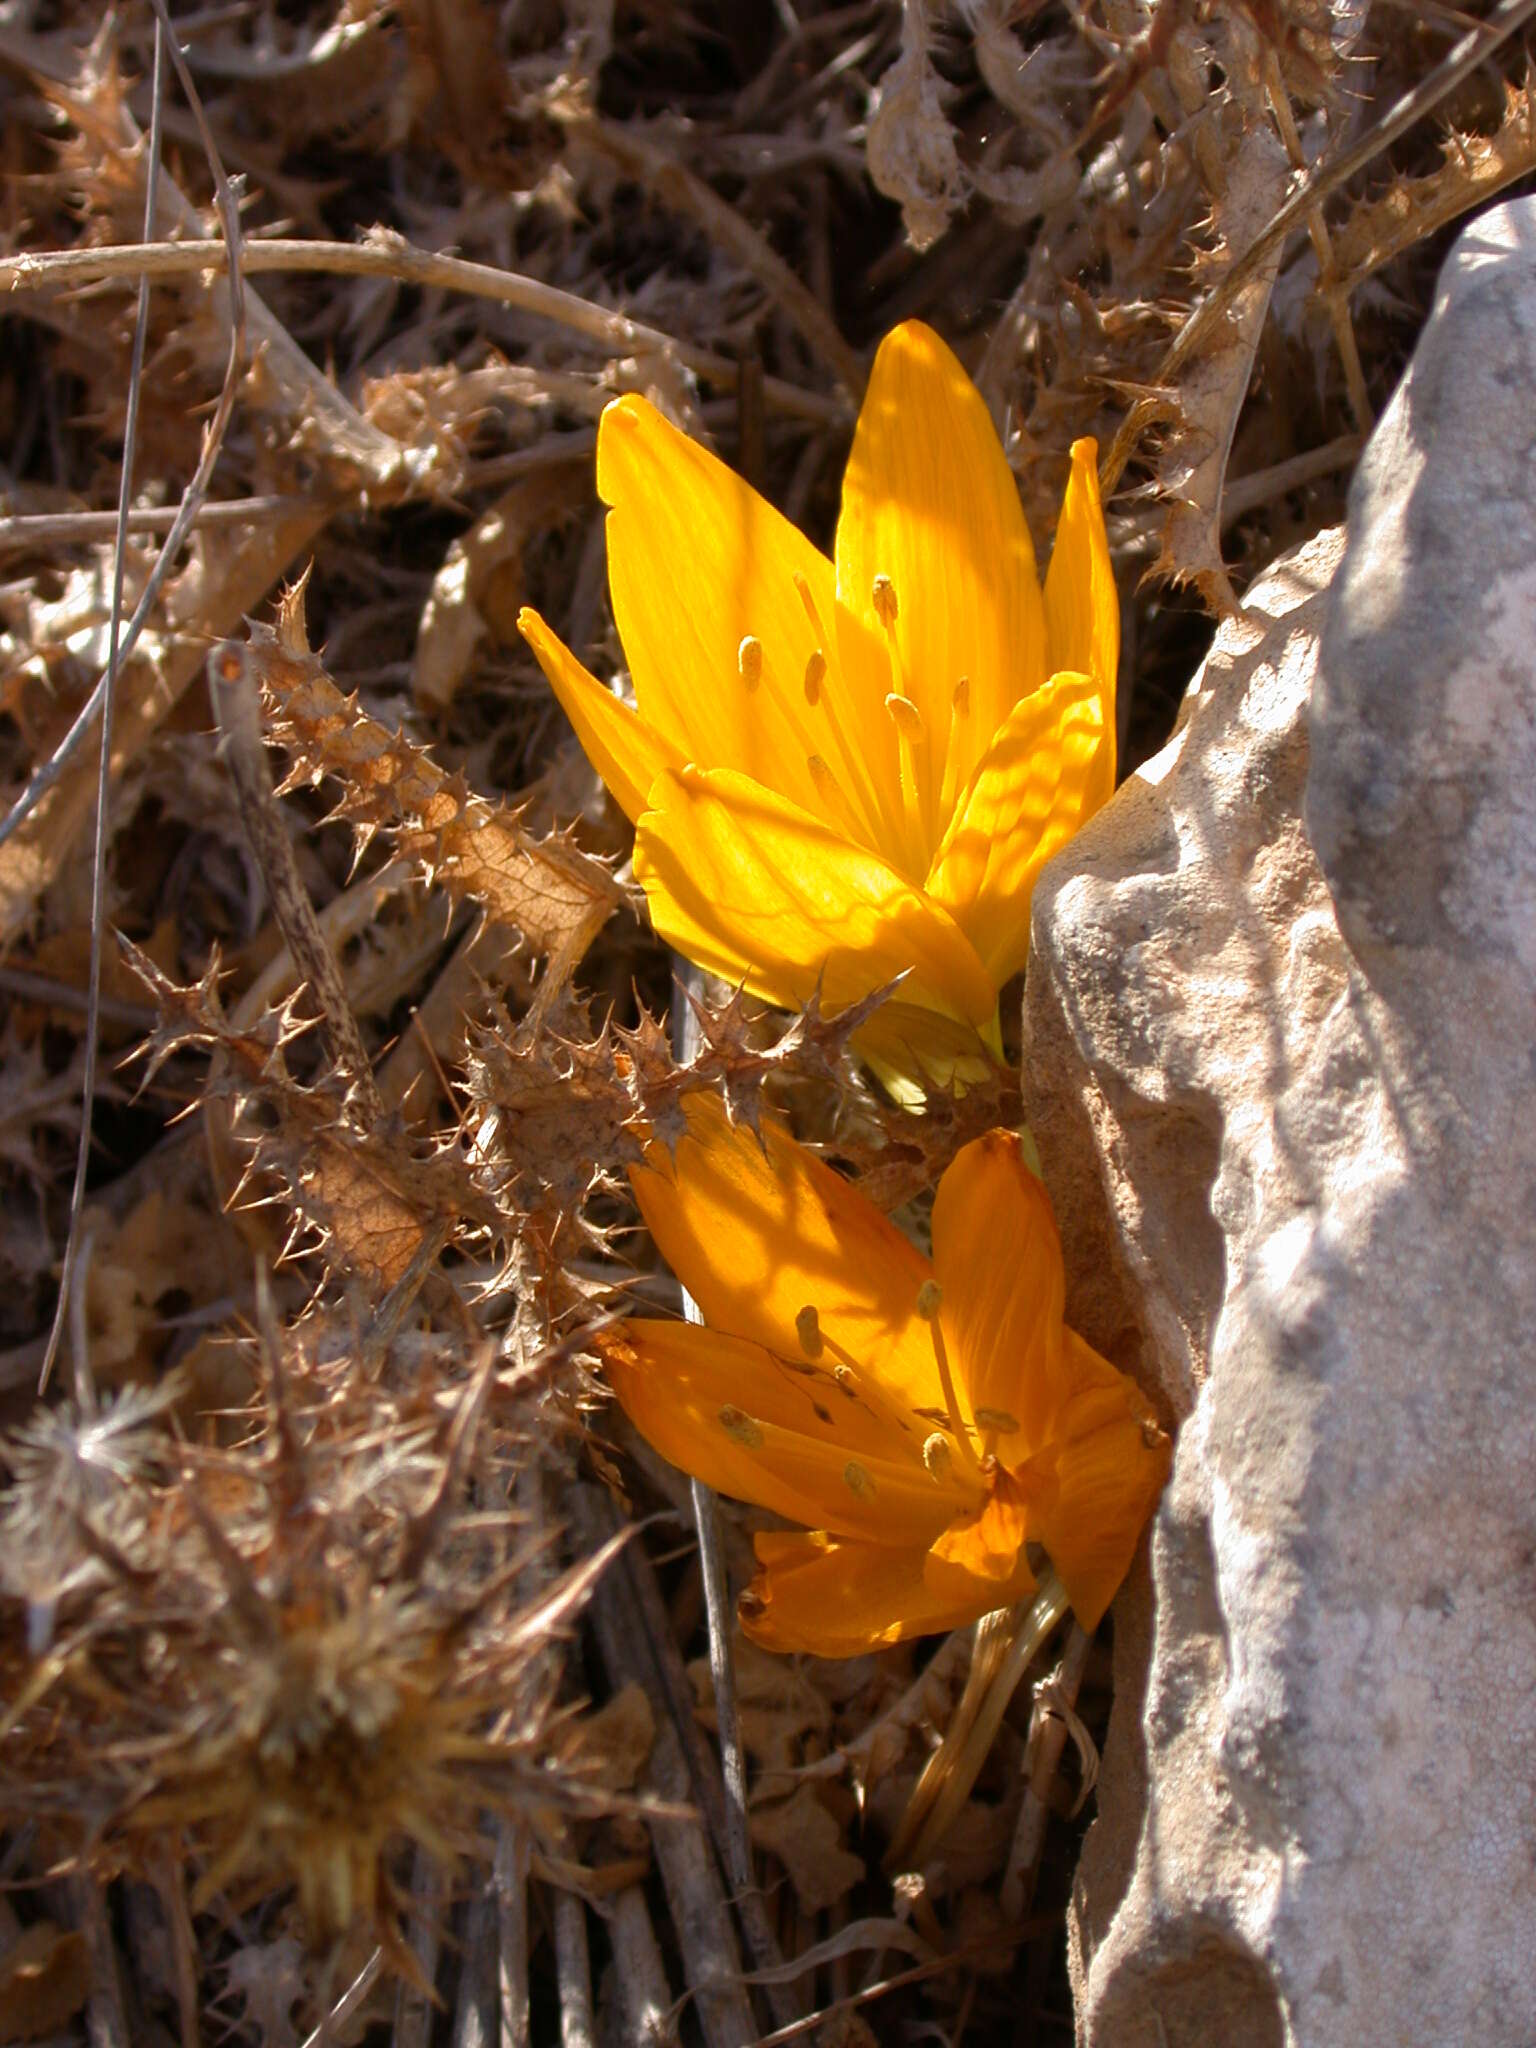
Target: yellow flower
(844, 772)
(923, 1420)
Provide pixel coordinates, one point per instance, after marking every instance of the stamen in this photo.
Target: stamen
(858, 1481)
(962, 698)
(808, 1330)
(930, 1300)
(815, 672)
(740, 1427)
(749, 660)
(937, 1456)
(906, 718)
(998, 1419)
(809, 602)
(883, 597)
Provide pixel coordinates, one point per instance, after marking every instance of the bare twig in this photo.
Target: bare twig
(389, 255)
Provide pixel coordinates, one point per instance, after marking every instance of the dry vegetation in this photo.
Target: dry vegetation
(330, 1697)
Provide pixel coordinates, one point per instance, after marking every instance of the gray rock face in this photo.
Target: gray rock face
(1282, 1028)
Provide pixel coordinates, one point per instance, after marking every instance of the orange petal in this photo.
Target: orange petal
(836, 1598)
(759, 1231)
(697, 563)
(1110, 1466)
(749, 1424)
(997, 1256)
(988, 1541)
(626, 752)
(1082, 606)
(755, 889)
(1050, 766)
(930, 503)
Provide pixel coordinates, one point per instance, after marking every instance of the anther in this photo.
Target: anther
(937, 1456)
(883, 598)
(997, 1419)
(906, 718)
(808, 1330)
(962, 699)
(845, 1378)
(749, 660)
(930, 1299)
(858, 1481)
(740, 1427)
(815, 671)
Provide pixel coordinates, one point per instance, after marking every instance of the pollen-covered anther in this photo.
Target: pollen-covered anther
(740, 1427)
(930, 1299)
(962, 696)
(906, 717)
(858, 1481)
(808, 1330)
(749, 660)
(883, 597)
(937, 1456)
(815, 675)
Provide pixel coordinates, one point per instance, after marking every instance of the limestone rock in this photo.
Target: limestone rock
(1281, 1032)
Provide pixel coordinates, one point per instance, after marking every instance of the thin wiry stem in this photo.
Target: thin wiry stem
(108, 705)
(213, 438)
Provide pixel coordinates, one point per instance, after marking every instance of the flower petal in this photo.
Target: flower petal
(997, 1256)
(1110, 1466)
(624, 750)
(1082, 606)
(1051, 765)
(758, 1231)
(930, 503)
(836, 1598)
(698, 562)
(755, 889)
(764, 1429)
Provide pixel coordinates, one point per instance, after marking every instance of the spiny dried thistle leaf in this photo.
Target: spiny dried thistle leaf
(548, 889)
(368, 1195)
(1476, 167)
(1191, 463)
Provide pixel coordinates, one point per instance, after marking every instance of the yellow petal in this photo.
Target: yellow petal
(698, 563)
(1050, 766)
(756, 890)
(1082, 606)
(753, 1426)
(626, 752)
(758, 1232)
(997, 1256)
(1110, 1466)
(836, 1598)
(930, 503)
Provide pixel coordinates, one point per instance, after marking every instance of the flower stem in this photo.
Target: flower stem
(1007, 1643)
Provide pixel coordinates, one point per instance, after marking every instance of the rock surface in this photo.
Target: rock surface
(1281, 1017)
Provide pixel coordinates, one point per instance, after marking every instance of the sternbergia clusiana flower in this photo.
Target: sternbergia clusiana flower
(844, 772)
(924, 1421)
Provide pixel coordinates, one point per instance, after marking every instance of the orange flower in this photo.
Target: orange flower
(841, 772)
(925, 1421)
